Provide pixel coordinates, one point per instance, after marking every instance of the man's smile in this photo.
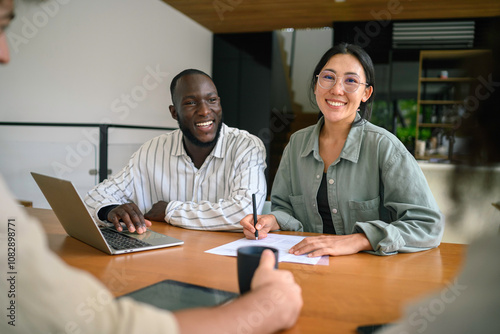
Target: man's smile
(204, 124)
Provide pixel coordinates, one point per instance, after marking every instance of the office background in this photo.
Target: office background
(112, 62)
(89, 62)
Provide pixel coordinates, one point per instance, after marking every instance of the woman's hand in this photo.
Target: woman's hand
(332, 245)
(265, 223)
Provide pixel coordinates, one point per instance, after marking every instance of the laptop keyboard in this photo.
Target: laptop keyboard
(120, 241)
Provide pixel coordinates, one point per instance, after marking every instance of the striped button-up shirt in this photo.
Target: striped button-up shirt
(214, 197)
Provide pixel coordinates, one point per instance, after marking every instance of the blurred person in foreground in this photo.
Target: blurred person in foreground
(472, 302)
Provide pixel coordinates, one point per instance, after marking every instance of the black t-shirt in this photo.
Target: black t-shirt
(324, 208)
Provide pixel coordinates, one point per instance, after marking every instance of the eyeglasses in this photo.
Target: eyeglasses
(350, 83)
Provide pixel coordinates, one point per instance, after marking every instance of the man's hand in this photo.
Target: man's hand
(157, 212)
(275, 300)
(280, 287)
(131, 216)
(265, 223)
(332, 245)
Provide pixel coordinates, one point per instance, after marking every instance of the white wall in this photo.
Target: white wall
(89, 61)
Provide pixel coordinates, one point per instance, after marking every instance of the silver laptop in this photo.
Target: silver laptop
(78, 222)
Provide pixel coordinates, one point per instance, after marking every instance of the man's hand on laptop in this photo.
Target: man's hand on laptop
(157, 212)
(131, 216)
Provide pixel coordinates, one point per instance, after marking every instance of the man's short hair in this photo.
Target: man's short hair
(173, 84)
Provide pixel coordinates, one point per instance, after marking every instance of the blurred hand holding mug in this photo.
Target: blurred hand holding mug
(248, 260)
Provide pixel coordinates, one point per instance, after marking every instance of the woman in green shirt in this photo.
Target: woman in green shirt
(347, 178)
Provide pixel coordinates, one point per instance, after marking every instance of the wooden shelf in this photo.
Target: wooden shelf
(436, 125)
(432, 156)
(451, 54)
(441, 101)
(446, 80)
(440, 90)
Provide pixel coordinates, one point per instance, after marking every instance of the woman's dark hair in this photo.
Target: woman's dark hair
(365, 108)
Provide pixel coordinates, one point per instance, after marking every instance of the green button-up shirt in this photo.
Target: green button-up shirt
(375, 187)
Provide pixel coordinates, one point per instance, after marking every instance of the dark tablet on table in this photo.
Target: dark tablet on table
(174, 295)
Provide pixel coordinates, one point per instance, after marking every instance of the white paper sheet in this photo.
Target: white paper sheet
(279, 241)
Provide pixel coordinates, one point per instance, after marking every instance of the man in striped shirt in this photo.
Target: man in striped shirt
(201, 176)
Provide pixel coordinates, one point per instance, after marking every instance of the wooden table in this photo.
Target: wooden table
(351, 291)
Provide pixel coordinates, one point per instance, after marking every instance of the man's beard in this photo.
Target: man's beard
(189, 135)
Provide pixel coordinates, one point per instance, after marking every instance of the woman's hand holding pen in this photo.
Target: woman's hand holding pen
(265, 223)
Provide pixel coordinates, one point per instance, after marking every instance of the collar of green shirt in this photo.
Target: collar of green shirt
(352, 146)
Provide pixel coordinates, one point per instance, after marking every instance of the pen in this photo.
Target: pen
(255, 217)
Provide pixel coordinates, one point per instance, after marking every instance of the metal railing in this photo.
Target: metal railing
(103, 137)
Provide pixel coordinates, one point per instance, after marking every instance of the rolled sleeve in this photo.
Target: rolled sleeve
(287, 222)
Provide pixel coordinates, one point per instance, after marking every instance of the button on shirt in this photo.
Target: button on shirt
(375, 187)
